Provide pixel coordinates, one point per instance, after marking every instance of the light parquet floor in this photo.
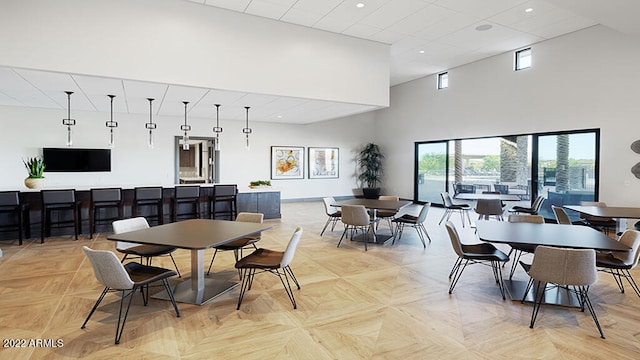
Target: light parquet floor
(388, 303)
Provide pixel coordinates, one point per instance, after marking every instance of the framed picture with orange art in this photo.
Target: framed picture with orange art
(287, 162)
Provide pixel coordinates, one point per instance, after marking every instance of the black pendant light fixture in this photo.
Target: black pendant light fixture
(217, 129)
(69, 122)
(111, 124)
(247, 130)
(186, 128)
(150, 125)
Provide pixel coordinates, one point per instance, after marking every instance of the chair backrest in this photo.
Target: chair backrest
(489, 207)
(58, 196)
(126, 225)
(250, 217)
(455, 238)
(108, 269)
(465, 188)
(564, 266)
(327, 201)
(291, 247)
(355, 215)
(534, 219)
(631, 238)
(501, 188)
(106, 195)
(446, 199)
(9, 198)
(537, 204)
(187, 192)
(561, 215)
(422, 216)
(389, 197)
(148, 193)
(225, 190)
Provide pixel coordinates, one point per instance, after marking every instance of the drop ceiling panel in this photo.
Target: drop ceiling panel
(17, 88)
(482, 9)
(301, 17)
(267, 9)
(392, 12)
(315, 6)
(235, 5)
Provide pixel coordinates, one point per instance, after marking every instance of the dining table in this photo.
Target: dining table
(478, 196)
(620, 214)
(557, 235)
(374, 205)
(195, 235)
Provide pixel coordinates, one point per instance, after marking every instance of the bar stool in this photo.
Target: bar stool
(57, 201)
(227, 195)
(108, 198)
(148, 196)
(186, 195)
(10, 205)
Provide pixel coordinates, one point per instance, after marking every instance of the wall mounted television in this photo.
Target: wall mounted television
(76, 160)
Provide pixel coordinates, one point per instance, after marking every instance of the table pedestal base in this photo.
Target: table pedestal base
(213, 287)
(552, 296)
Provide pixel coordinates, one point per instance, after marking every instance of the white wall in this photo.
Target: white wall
(185, 43)
(26, 131)
(587, 79)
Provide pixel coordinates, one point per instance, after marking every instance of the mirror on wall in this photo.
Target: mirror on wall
(198, 163)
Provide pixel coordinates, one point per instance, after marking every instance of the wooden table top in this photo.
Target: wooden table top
(376, 204)
(569, 236)
(473, 196)
(193, 234)
(607, 211)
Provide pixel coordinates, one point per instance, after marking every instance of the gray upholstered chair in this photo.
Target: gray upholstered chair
(450, 207)
(619, 263)
(356, 217)
(522, 248)
(533, 210)
(143, 251)
(332, 212)
(574, 269)
(486, 208)
(600, 223)
(237, 245)
(474, 253)
(275, 262)
(126, 279)
(416, 222)
(561, 215)
(387, 215)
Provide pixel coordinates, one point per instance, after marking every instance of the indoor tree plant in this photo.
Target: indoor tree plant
(35, 168)
(370, 164)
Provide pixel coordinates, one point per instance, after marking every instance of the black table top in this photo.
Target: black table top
(193, 234)
(569, 236)
(607, 211)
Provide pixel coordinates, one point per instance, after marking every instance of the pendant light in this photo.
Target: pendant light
(185, 128)
(217, 129)
(150, 125)
(69, 122)
(111, 124)
(247, 130)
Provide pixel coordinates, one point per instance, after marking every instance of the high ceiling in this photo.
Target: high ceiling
(425, 37)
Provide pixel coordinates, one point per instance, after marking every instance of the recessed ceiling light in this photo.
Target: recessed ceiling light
(279, 116)
(359, 5)
(528, 10)
(421, 51)
(484, 27)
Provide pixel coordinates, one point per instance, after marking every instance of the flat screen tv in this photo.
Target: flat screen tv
(76, 160)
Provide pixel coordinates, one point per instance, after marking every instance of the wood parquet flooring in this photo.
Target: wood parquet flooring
(388, 303)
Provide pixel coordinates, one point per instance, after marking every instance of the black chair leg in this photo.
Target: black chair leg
(95, 306)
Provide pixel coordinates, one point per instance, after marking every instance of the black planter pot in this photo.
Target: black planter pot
(371, 193)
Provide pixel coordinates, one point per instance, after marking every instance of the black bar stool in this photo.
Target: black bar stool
(186, 195)
(108, 198)
(227, 195)
(149, 196)
(58, 201)
(10, 205)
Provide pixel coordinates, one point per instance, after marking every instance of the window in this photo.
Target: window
(443, 80)
(523, 59)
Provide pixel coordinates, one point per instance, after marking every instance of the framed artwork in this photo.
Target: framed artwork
(287, 162)
(323, 163)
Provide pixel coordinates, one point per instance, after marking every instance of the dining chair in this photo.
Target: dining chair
(237, 245)
(416, 222)
(141, 250)
(450, 207)
(356, 217)
(620, 263)
(501, 188)
(517, 248)
(533, 210)
(486, 208)
(561, 215)
(125, 279)
(474, 253)
(275, 262)
(332, 212)
(574, 269)
(387, 215)
(600, 223)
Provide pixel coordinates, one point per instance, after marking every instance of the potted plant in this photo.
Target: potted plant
(35, 168)
(370, 165)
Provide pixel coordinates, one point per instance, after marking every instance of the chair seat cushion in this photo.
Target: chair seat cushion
(484, 252)
(239, 243)
(141, 274)
(409, 219)
(524, 247)
(608, 261)
(460, 206)
(386, 213)
(149, 250)
(261, 259)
